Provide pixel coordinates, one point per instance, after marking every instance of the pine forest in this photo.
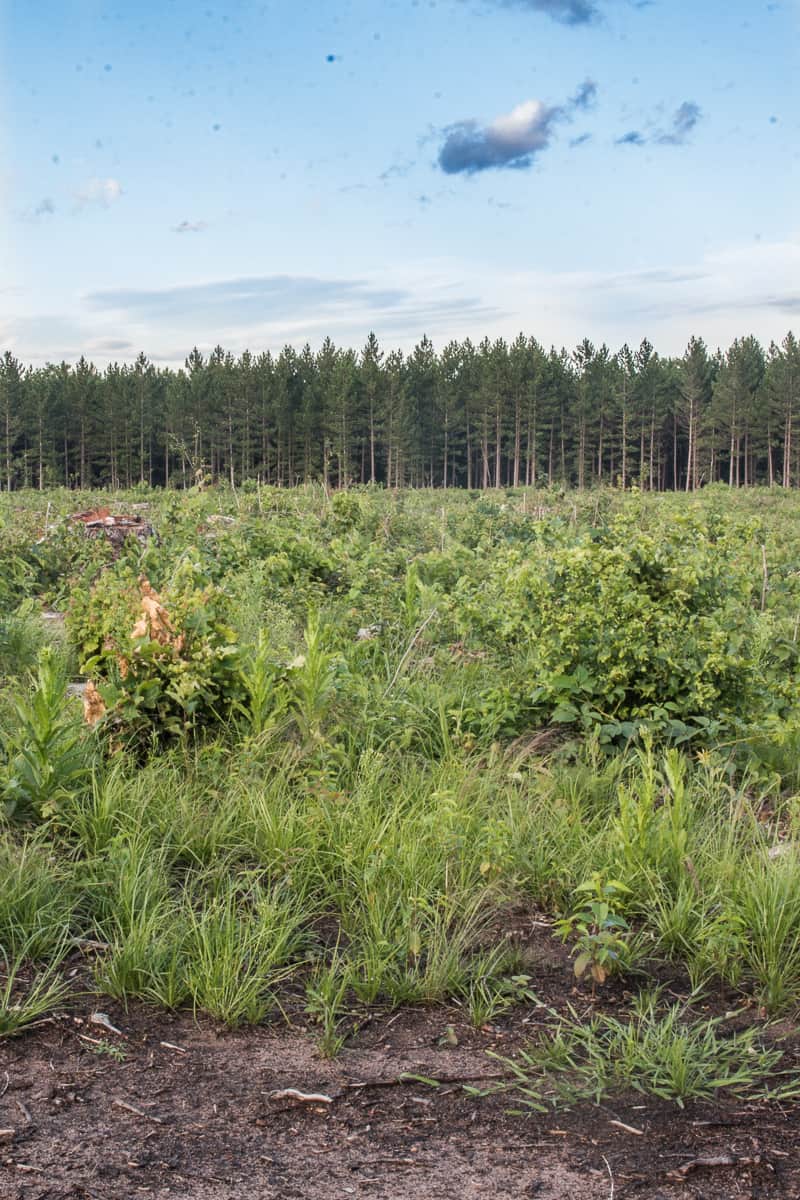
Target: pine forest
(477, 416)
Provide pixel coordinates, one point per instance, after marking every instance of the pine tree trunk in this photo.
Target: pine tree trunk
(498, 439)
(469, 456)
(371, 440)
(517, 442)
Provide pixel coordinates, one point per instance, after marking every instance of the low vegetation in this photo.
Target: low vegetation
(327, 739)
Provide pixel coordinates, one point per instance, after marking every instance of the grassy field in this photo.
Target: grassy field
(333, 737)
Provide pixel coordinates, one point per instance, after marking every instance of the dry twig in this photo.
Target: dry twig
(627, 1128)
(610, 1176)
(139, 1112)
(714, 1160)
(303, 1097)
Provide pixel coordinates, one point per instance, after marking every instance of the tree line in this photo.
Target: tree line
(496, 414)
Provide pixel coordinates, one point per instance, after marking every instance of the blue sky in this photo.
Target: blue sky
(260, 173)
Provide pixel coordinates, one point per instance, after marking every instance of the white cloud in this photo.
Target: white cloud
(524, 126)
(509, 141)
(101, 192)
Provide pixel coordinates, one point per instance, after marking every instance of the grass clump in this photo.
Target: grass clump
(657, 1052)
(239, 946)
(28, 994)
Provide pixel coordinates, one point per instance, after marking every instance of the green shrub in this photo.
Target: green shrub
(628, 628)
(163, 664)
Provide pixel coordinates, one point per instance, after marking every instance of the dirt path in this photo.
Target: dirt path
(190, 1112)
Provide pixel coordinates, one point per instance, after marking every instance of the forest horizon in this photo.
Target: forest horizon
(487, 415)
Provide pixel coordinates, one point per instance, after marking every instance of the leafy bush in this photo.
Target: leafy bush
(167, 663)
(628, 628)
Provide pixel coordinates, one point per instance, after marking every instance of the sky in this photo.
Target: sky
(253, 174)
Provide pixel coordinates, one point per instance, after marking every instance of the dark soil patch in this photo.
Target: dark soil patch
(190, 1111)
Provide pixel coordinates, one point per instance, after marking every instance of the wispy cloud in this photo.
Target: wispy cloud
(190, 227)
(35, 212)
(102, 345)
(271, 310)
(511, 141)
(684, 120)
(749, 287)
(586, 95)
(566, 12)
(265, 312)
(232, 301)
(397, 171)
(100, 192)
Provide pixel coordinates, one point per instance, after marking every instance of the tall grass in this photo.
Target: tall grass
(211, 876)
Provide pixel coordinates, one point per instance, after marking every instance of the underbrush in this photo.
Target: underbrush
(331, 742)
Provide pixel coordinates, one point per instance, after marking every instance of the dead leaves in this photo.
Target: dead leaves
(94, 706)
(154, 622)
(153, 625)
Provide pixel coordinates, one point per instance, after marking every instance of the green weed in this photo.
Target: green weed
(659, 1053)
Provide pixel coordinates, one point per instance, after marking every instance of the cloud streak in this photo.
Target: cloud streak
(190, 227)
(511, 141)
(751, 286)
(586, 95)
(684, 120)
(232, 301)
(573, 13)
(566, 12)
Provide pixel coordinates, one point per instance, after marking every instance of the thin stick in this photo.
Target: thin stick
(610, 1176)
(715, 1160)
(408, 650)
(172, 1046)
(405, 1078)
(136, 1111)
(766, 577)
(627, 1128)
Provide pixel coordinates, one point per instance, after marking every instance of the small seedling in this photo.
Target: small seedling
(111, 1050)
(325, 996)
(601, 945)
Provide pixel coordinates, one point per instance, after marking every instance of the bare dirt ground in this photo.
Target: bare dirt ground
(191, 1111)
